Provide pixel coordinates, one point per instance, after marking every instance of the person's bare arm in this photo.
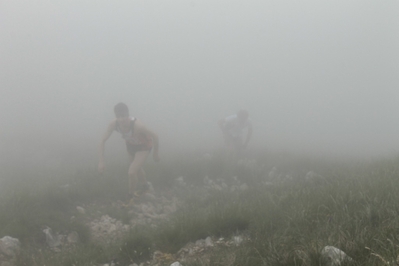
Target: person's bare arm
(144, 130)
(249, 135)
(101, 149)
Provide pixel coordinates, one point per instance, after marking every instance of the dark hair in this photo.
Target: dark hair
(121, 110)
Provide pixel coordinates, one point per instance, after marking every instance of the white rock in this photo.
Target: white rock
(200, 242)
(273, 173)
(208, 242)
(9, 246)
(81, 209)
(51, 239)
(112, 228)
(333, 256)
(180, 181)
(237, 240)
(176, 263)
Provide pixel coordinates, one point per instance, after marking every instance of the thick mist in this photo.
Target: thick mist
(315, 76)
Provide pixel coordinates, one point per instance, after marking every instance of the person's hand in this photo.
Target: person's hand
(101, 167)
(156, 157)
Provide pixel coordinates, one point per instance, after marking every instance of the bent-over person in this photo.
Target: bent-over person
(139, 143)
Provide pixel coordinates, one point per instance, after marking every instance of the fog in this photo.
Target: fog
(315, 76)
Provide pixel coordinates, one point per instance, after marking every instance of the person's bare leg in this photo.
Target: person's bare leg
(135, 168)
(131, 159)
(143, 179)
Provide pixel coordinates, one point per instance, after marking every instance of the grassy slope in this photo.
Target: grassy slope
(355, 208)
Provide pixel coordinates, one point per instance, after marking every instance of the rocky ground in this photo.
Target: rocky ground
(153, 207)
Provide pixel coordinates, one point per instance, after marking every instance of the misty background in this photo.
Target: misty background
(315, 76)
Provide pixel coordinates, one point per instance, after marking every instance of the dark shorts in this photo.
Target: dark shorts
(132, 149)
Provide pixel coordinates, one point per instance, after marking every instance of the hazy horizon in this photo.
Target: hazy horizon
(316, 77)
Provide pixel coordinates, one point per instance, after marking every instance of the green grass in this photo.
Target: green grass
(355, 208)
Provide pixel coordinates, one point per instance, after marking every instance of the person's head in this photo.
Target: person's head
(121, 112)
(242, 115)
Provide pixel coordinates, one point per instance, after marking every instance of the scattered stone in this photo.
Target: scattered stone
(200, 242)
(311, 176)
(10, 247)
(73, 237)
(81, 210)
(51, 239)
(237, 240)
(267, 183)
(208, 242)
(209, 183)
(107, 230)
(273, 173)
(160, 258)
(180, 181)
(176, 263)
(332, 256)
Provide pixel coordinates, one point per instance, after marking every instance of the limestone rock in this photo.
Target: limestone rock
(81, 210)
(332, 256)
(52, 240)
(10, 246)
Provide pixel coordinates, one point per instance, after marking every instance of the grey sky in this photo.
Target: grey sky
(314, 75)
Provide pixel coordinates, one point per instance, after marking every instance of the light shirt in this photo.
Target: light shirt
(129, 136)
